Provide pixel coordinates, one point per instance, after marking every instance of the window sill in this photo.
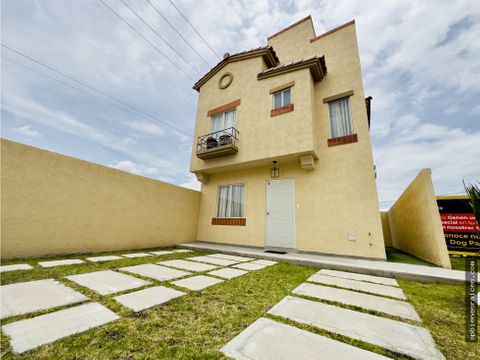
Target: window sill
(229, 221)
(281, 110)
(342, 140)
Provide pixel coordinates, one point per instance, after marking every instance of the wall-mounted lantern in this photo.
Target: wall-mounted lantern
(275, 171)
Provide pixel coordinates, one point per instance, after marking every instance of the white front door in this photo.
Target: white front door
(280, 230)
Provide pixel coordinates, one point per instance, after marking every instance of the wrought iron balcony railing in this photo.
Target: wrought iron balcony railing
(218, 143)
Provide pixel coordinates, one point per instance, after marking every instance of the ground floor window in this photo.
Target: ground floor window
(230, 201)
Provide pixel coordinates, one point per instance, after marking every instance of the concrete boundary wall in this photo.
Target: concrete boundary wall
(415, 225)
(54, 204)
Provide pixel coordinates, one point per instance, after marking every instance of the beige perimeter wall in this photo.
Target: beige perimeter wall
(54, 204)
(415, 224)
(387, 237)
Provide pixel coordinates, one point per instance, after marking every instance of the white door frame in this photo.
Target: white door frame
(266, 246)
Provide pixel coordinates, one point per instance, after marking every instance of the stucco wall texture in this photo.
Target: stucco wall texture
(54, 204)
(336, 200)
(415, 224)
(387, 237)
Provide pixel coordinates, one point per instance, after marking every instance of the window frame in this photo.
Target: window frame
(282, 98)
(242, 202)
(223, 114)
(349, 112)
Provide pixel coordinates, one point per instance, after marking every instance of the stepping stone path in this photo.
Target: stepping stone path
(228, 273)
(198, 282)
(188, 265)
(231, 257)
(147, 298)
(250, 266)
(358, 285)
(105, 258)
(107, 282)
(266, 339)
(213, 260)
(157, 272)
(390, 334)
(28, 297)
(136, 255)
(30, 333)
(370, 302)
(361, 277)
(52, 263)
(265, 262)
(162, 252)
(15, 267)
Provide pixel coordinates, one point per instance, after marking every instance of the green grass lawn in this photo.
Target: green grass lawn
(197, 325)
(396, 255)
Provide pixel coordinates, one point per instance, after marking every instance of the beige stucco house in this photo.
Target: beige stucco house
(282, 147)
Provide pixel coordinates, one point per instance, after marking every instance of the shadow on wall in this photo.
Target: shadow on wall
(413, 223)
(54, 204)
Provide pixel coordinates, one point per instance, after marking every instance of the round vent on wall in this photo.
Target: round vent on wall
(225, 80)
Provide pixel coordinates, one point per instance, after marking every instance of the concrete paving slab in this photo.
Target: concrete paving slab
(181, 251)
(361, 277)
(213, 260)
(267, 339)
(52, 263)
(188, 265)
(343, 263)
(107, 281)
(250, 266)
(162, 252)
(370, 302)
(136, 255)
(265, 262)
(358, 285)
(26, 297)
(15, 267)
(105, 258)
(231, 257)
(147, 298)
(31, 333)
(198, 282)
(157, 272)
(390, 334)
(228, 273)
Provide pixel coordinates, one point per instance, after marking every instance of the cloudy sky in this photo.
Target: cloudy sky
(420, 61)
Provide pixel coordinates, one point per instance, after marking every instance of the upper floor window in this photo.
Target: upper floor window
(282, 98)
(230, 201)
(224, 120)
(340, 117)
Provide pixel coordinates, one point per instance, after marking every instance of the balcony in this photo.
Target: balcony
(219, 143)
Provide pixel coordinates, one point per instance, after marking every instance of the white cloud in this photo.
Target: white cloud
(475, 110)
(192, 183)
(130, 166)
(146, 127)
(27, 130)
(416, 74)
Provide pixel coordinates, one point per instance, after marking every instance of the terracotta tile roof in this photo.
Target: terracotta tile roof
(316, 64)
(266, 52)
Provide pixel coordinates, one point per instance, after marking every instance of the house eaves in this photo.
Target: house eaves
(266, 52)
(316, 64)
